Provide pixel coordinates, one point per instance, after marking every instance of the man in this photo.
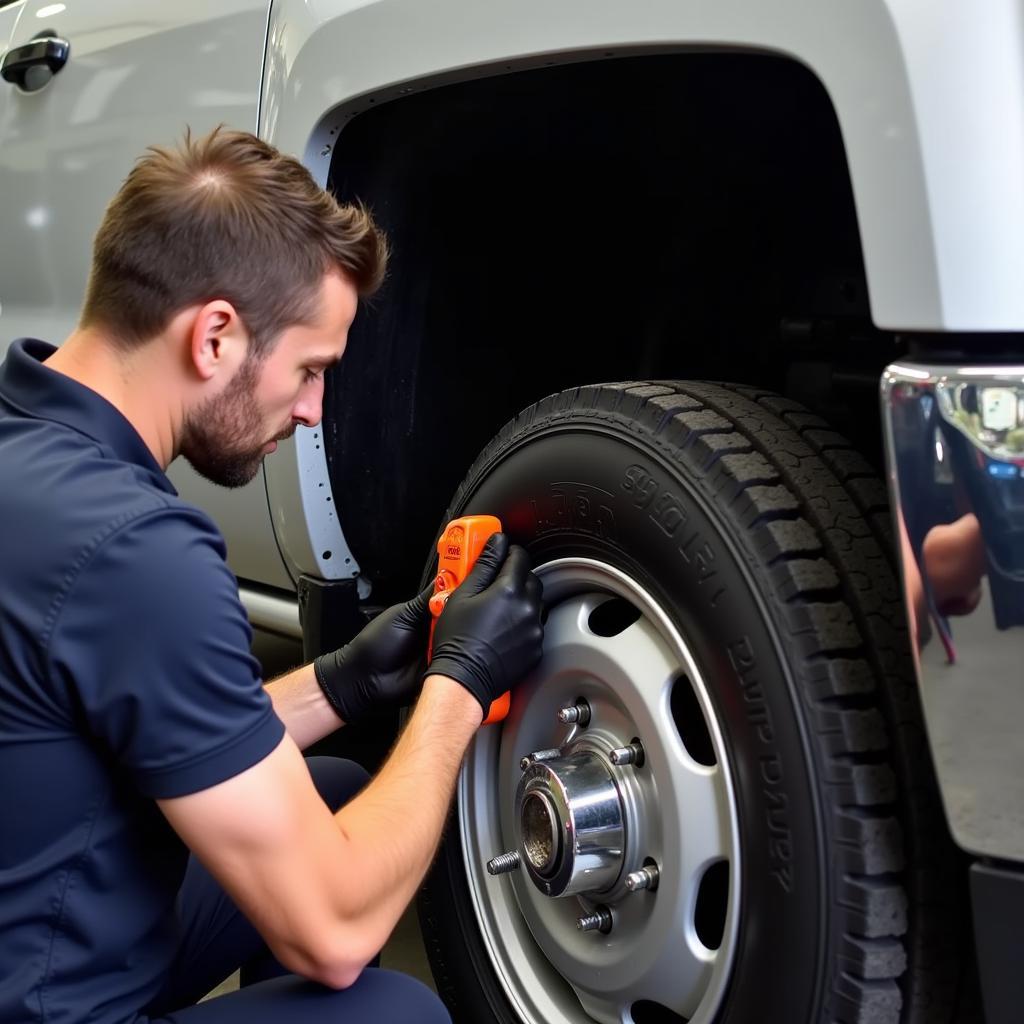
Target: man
(224, 283)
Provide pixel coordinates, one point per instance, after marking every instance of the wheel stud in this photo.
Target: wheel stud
(539, 755)
(575, 714)
(599, 921)
(645, 878)
(633, 754)
(503, 863)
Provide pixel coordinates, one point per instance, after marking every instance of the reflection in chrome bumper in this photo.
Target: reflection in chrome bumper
(955, 450)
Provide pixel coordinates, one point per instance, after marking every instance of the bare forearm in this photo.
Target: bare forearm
(302, 707)
(391, 830)
(325, 890)
(393, 827)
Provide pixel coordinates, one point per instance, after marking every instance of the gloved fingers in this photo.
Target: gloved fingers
(515, 572)
(417, 611)
(406, 685)
(485, 571)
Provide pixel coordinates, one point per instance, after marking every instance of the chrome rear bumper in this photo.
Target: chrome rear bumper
(954, 441)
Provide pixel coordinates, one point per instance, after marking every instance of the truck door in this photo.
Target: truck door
(137, 72)
(9, 11)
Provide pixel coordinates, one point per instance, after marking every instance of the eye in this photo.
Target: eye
(312, 375)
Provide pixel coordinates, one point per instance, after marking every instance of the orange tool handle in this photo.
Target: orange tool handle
(457, 550)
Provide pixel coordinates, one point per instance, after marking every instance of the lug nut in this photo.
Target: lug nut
(633, 754)
(599, 921)
(503, 863)
(575, 714)
(645, 878)
(539, 755)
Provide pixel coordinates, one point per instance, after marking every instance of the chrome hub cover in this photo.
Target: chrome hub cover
(571, 824)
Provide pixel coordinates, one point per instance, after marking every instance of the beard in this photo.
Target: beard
(217, 439)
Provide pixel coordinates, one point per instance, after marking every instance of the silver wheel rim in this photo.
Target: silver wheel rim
(682, 815)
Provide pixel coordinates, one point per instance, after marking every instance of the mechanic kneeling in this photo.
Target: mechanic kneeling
(134, 727)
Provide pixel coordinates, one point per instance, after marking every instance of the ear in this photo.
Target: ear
(218, 340)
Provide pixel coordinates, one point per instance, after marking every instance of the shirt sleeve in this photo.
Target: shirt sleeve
(154, 646)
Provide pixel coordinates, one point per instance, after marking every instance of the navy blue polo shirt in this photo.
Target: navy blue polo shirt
(125, 676)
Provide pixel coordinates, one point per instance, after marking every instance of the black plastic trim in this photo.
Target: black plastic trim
(43, 52)
(997, 897)
(329, 614)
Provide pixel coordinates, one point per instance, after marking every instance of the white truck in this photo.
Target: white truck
(770, 769)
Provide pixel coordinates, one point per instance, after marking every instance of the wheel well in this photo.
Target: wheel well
(666, 216)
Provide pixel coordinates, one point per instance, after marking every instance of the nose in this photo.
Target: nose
(308, 409)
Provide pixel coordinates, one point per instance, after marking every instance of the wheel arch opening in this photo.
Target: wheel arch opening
(682, 215)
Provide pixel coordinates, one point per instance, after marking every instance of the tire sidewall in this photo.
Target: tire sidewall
(588, 490)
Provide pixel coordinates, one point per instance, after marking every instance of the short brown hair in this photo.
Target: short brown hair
(225, 216)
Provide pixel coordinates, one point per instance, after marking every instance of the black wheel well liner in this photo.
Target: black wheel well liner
(666, 215)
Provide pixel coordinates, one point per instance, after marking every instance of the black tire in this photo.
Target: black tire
(851, 895)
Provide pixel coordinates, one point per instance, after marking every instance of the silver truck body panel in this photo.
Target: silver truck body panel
(929, 99)
(272, 612)
(954, 442)
(8, 19)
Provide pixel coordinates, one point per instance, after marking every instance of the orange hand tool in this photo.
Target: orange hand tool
(457, 550)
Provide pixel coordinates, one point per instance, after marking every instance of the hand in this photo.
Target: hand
(382, 666)
(490, 634)
(954, 563)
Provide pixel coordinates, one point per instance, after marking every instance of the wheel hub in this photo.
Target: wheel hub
(572, 824)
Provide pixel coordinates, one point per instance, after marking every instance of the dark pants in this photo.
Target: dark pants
(218, 940)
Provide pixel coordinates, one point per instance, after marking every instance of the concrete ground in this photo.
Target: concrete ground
(404, 950)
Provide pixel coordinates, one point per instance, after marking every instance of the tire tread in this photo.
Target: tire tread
(819, 523)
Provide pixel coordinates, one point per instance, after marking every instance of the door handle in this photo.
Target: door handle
(49, 52)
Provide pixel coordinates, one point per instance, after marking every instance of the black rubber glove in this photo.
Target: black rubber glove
(490, 634)
(383, 666)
